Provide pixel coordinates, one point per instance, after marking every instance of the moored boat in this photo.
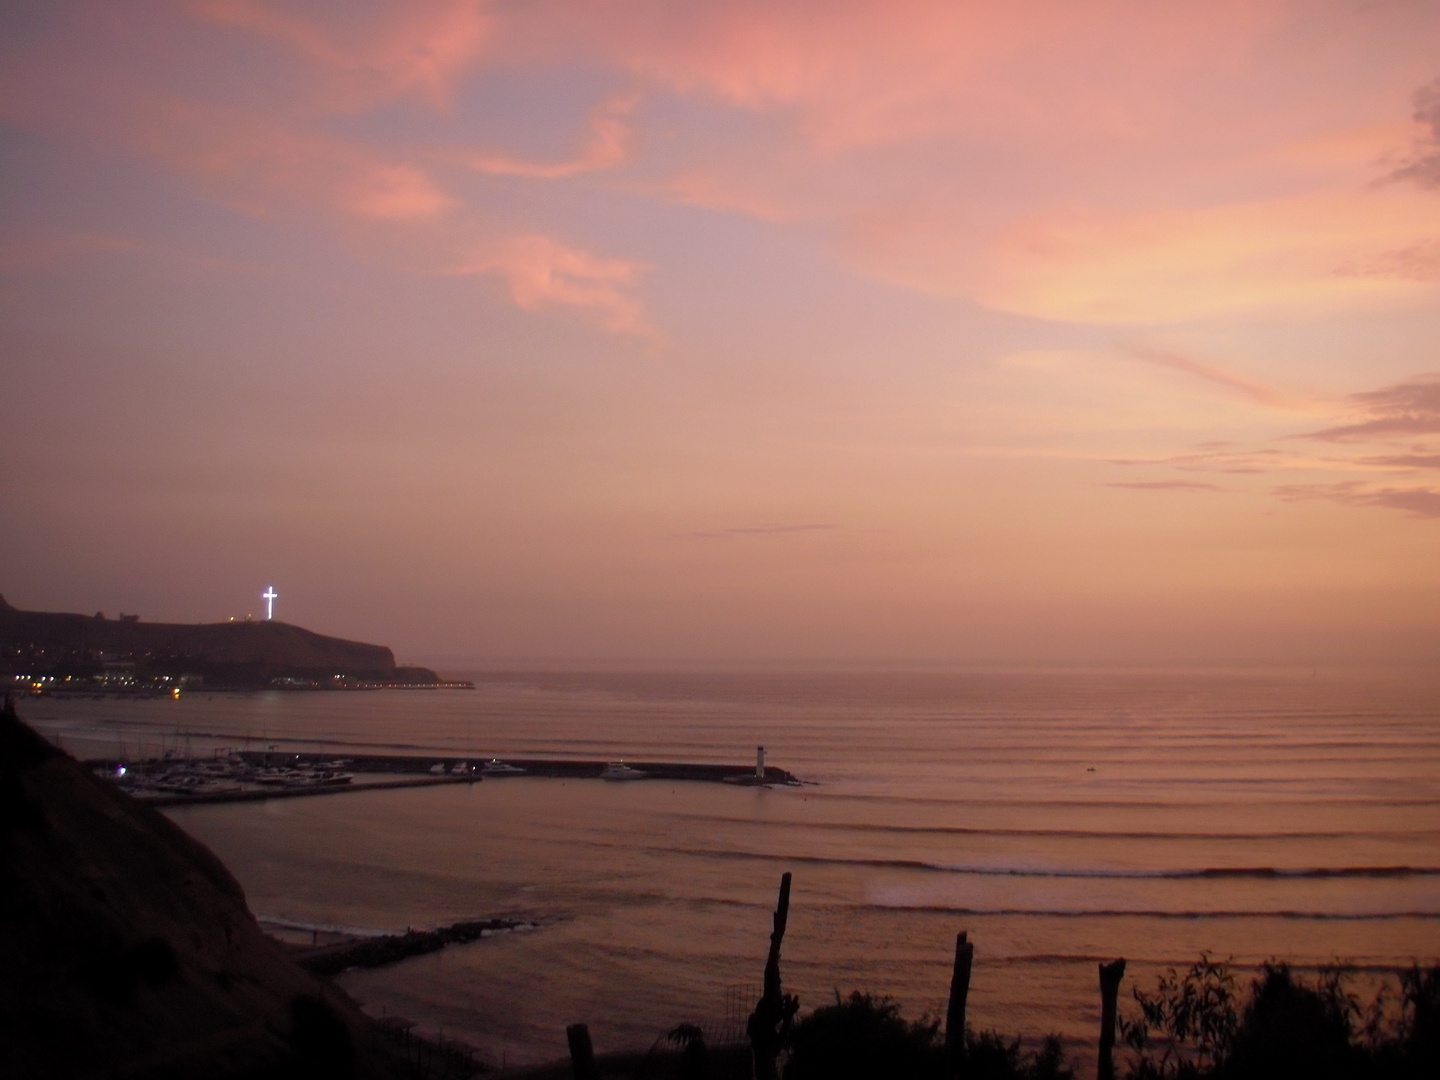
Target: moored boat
(618, 770)
(496, 767)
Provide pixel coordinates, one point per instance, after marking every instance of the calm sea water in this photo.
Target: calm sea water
(1061, 819)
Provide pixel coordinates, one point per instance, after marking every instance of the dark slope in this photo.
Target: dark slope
(126, 947)
(228, 653)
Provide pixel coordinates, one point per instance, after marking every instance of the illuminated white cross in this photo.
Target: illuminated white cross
(269, 596)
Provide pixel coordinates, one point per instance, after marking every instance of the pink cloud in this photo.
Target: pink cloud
(390, 207)
(1406, 409)
(398, 193)
(543, 272)
(1112, 162)
(607, 147)
(857, 73)
(1247, 388)
(712, 189)
(259, 164)
(1417, 502)
(1424, 165)
(1163, 485)
(1403, 461)
(417, 47)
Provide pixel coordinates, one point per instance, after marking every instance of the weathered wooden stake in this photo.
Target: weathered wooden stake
(959, 991)
(582, 1054)
(1110, 976)
(773, 1012)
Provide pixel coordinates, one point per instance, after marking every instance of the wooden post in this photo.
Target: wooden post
(959, 991)
(1110, 976)
(773, 1012)
(582, 1054)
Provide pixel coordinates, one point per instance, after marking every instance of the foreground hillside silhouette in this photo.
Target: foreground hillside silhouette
(127, 949)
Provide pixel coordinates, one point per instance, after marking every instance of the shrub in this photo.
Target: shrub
(1196, 1015)
(863, 1037)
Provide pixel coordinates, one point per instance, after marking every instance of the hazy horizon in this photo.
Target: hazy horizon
(635, 334)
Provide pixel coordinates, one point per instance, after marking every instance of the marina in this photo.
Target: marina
(254, 775)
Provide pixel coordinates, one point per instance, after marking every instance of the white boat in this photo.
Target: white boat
(496, 767)
(618, 770)
(438, 769)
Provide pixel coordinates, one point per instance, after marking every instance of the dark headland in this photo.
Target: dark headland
(129, 950)
(56, 651)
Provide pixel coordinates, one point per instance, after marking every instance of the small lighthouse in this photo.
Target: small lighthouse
(759, 763)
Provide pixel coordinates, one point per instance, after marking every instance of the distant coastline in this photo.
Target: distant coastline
(45, 652)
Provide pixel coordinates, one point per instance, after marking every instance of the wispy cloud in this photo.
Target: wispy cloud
(1164, 485)
(762, 530)
(1236, 384)
(1218, 460)
(1418, 502)
(543, 272)
(1413, 262)
(1403, 461)
(420, 47)
(1424, 165)
(607, 147)
(1406, 409)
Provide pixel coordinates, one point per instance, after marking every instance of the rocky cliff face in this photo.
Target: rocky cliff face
(126, 947)
(224, 654)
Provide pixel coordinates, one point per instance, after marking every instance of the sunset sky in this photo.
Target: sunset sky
(731, 332)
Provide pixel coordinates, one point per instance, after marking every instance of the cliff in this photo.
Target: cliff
(223, 654)
(127, 948)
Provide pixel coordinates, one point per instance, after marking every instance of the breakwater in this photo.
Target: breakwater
(453, 765)
(259, 775)
(392, 948)
(265, 793)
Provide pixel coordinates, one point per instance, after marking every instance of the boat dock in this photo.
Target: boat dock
(257, 775)
(262, 794)
(555, 768)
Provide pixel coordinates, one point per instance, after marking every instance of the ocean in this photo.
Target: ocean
(1061, 819)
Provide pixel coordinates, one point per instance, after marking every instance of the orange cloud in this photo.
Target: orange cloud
(1156, 266)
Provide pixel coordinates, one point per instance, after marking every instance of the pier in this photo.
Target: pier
(262, 794)
(257, 775)
(554, 768)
